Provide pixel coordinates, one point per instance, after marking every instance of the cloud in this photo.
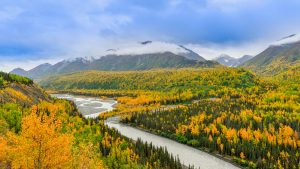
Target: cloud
(53, 30)
(9, 12)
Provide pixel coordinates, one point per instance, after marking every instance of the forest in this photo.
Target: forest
(259, 129)
(250, 119)
(155, 88)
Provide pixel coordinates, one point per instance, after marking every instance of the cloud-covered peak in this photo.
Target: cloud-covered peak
(287, 40)
(152, 47)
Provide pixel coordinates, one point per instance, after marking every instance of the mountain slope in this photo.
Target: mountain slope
(243, 59)
(276, 58)
(143, 56)
(35, 72)
(145, 61)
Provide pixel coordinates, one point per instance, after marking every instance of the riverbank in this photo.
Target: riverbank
(221, 157)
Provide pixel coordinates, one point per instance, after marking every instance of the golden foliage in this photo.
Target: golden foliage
(40, 144)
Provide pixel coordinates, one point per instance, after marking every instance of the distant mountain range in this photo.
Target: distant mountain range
(141, 56)
(278, 57)
(231, 61)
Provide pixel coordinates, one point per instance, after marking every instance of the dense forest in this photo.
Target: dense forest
(257, 129)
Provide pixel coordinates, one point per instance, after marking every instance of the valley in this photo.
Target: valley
(154, 116)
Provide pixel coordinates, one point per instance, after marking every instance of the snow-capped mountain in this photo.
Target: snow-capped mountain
(231, 61)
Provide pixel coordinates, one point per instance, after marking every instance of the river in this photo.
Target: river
(91, 107)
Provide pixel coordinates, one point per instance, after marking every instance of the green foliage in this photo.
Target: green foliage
(12, 115)
(193, 142)
(1, 81)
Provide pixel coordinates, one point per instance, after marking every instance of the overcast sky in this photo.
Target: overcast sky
(38, 31)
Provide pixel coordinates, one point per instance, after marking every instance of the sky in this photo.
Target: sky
(38, 31)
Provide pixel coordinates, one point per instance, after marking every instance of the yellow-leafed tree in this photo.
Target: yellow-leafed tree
(41, 144)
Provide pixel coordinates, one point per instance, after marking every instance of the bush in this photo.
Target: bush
(194, 143)
(181, 139)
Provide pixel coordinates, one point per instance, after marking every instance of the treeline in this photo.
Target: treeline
(12, 78)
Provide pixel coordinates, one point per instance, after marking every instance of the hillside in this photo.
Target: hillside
(154, 80)
(21, 90)
(277, 58)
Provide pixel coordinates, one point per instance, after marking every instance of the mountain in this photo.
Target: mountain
(278, 57)
(19, 71)
(231, 61)
(35, 72)
(243, 59)
(140, 56)
(145, 61)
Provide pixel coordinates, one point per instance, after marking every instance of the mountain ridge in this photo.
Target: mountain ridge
(145, 57)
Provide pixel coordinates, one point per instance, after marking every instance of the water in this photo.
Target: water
(92, 107)
(88, 106)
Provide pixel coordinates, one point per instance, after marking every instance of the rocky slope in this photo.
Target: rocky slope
(16, 89)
